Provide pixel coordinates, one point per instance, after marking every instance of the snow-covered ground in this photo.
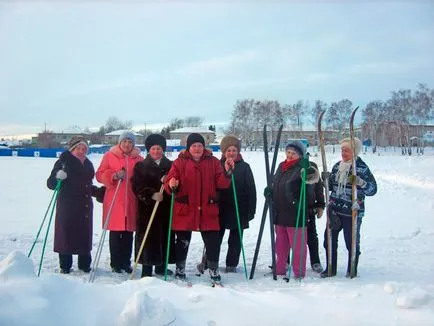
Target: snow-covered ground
(396, 271)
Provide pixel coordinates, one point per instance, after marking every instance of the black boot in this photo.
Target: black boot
(214, 271)
(325, 273)
(146, 270)
(180, 270)
(160, 270)
(356, 262)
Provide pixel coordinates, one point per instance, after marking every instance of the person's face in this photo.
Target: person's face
(231, 152)
(156, 152)
(196, 150)
(80, 150)
(126, 145)
(291, 155)
(346, 153)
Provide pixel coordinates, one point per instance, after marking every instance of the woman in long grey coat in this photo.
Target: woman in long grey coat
(73, 223)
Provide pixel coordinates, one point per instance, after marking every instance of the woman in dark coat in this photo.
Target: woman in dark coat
(73, 223)
(230, 147)
(287, 184)
(147, 181)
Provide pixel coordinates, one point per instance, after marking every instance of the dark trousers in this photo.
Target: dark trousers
(121, 248)
(346, 227)
(234, 247)
(312, 240)
(84, 260)
(211, 240)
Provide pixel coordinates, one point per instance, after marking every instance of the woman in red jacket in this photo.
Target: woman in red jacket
(195, 177)
(117, 166)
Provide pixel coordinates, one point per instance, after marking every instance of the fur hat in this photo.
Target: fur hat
(127, 135)
(346, 142)
(75, 141)
(228, 141)
(195, 138)
(297, 146)
(155, 139)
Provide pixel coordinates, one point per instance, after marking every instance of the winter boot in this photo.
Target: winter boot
(317, 267)
(325, 273)
(180, 271)
(146, 270)
(214, 271)
(230, 269)
(159, 270)
(348, 274)
(203, 265)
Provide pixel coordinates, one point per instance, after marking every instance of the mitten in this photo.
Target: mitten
(268, 192)
(61, 175)
(120, 175)
(325, 175)
(157, 196)
(319, 212)
(304, 163)
(356, 180)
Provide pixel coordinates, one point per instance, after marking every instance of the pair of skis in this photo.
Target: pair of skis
(268, 206)
(353, 192)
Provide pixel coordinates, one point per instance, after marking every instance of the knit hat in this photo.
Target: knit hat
(346, 142)
(155, 139)
(75, 141)
(195, 138)
(297, 146)
(228, 141)
(127, 135)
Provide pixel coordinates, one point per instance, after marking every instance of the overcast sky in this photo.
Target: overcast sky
(78, 64)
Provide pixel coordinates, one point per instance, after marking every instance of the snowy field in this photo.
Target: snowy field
(395, 285)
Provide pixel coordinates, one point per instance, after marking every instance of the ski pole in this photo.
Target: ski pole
(239, 224)
(172, 200)
(45, 216)
(48, 227)
(146, 233)
(104, 231)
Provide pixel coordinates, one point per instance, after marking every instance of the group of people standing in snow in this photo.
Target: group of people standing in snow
(203, 201)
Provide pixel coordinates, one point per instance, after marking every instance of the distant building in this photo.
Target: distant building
(182, 134)
(55, 139)
(112, 138)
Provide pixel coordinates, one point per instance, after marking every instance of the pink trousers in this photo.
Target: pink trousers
(284, 242)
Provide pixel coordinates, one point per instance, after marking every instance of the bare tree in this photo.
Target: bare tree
(193, 121)
(114, 123)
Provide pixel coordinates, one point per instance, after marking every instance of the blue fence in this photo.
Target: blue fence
(55, 152)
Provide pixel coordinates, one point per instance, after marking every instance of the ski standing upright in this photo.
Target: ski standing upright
(355, 205)
(268, 204)
(321, 146)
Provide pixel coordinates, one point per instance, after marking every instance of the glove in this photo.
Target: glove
(356, 180)
(61, 175)
(162, 178)
(304, 163)
(157, 196)
(268, 192)
(120, 175)
(319, 212)
(325, 175)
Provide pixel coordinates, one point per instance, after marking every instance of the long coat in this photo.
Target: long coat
(246, 195)
(73, 223)
(315, 195)
(146, 181)
(286, 195)
(195, 207)
(124, 210)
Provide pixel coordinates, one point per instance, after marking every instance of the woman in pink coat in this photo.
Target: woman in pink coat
(117, 166)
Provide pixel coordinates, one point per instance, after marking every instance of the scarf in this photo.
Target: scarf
(342, 176)
(287, 164)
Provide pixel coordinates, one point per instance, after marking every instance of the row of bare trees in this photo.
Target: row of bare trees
(404, 107)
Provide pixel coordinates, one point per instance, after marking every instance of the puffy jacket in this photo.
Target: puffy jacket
(195, 207)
